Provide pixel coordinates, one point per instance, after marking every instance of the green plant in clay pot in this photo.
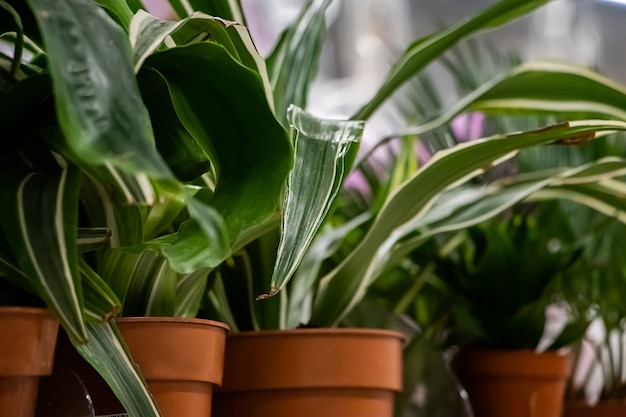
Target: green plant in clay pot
(124, 141)
(322, 292)
(92, 203)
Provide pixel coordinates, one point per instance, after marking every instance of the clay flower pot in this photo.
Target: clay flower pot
(515, 383)
(27, 340)
(310, 373)
(609, 408)
(181, 359)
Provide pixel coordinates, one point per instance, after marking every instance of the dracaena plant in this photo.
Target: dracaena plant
(333, 277)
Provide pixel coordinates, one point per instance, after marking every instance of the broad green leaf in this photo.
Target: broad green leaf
(98, 104)
(346, 284)
(120, 9)
(39, 221)
(227, 9)
(424, 51)
(196, 244)
(186, 157)
(147, 33)
(108, 354)
(251, 154)
(321, 146)
(294, 63)
(133, 188)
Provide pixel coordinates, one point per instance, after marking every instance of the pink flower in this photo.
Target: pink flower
(468, 126)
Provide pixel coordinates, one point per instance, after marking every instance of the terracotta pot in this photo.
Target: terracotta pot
(310, 373)
(515, 383)
(181, 359)
(27, 340)
(609, 408)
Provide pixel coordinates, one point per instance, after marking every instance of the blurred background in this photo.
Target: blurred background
(366, 35)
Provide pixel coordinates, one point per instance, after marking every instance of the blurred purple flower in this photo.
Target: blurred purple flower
(468, 126)
(356, 182)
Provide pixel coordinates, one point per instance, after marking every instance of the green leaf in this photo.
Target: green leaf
(341, 288)
(321, 146)
(19, 42)
(424, 51)
(92, 238)
(213, 96)
(40, 219)
(98, 104)
(294, 63)
(190, 292)
(143, 281)
(227, 9)
(197, 243)
(101, 303)
(459, 209)
(120, 9)
(108, 354)
(604, 197)
(147, 33)
(540, 87)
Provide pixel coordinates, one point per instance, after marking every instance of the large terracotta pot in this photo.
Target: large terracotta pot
(27, 340)
(610, 408)
(515, 383)
(310, 373)
(181, 359)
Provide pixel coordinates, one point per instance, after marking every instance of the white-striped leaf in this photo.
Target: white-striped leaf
(144, 281)
(539, 87)
(227, 9)
(321, 147)
(148, 33)
(294, 63)
(460, 209)
(108, 354)
(346, 284)
(425, 50)
(39, 221)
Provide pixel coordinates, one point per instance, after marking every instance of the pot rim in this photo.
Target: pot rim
(154, 319)
(35, 311)
(325, 331)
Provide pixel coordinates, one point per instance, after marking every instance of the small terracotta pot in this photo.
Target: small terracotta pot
(310, 373)
(181, 359)
(609, 408)
(27, 340)
(515, 383)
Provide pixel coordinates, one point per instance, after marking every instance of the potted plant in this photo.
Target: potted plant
(596, 386)
(322, 299)
(398, 287)
(91, 161)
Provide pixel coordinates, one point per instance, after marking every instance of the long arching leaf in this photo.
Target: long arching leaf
(40, 220)
(425, 50)
(346, 284)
